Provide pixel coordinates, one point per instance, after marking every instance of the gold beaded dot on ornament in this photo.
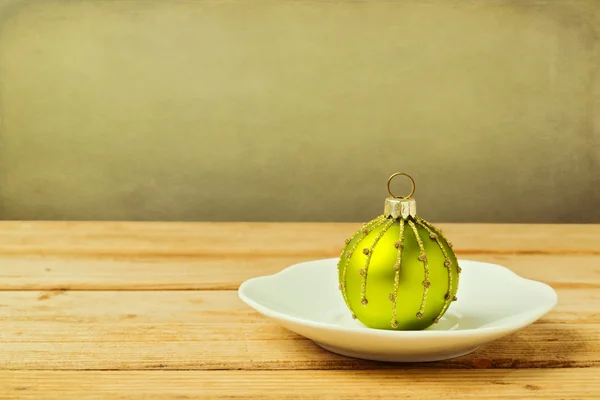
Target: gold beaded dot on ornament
(394, 296)
(369, 253)
(423, 259)
(364, 231)
(447, 263)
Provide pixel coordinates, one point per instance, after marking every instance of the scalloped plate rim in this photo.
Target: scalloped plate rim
(532, 316)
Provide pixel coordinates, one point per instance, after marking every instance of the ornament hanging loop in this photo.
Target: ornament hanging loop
(412, 182)
(400, 207)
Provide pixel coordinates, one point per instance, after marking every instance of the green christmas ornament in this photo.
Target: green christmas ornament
(398, 271)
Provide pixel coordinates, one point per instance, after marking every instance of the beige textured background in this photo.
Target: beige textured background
(299, 110)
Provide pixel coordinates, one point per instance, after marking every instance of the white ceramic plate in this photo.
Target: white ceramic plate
(492, 302)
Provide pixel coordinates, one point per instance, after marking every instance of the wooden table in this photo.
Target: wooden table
(150, 311)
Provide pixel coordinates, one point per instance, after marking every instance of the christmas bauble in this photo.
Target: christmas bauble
(398, 271)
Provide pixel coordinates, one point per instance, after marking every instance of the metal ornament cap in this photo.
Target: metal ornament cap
(400, 208)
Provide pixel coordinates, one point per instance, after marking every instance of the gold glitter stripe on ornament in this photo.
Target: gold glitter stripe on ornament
(423, 258)
(369, 252)
(447, 265)
(394, 296)
(366, 228)
(440, 234)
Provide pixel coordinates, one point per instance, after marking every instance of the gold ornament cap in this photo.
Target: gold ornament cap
(400, 207)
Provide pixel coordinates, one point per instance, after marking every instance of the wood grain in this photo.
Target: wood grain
(286, 385)
(196, 330)
(312, 240)
(227, 273)
(576, 306)
(533, 347)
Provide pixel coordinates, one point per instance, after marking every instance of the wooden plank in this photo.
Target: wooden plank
(539, 346)
(215, 330)
(217, 273)
(312, 240)
(574, 306)
(285, 385)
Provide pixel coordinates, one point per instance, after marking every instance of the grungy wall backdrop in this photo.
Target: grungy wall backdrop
(299, 110)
